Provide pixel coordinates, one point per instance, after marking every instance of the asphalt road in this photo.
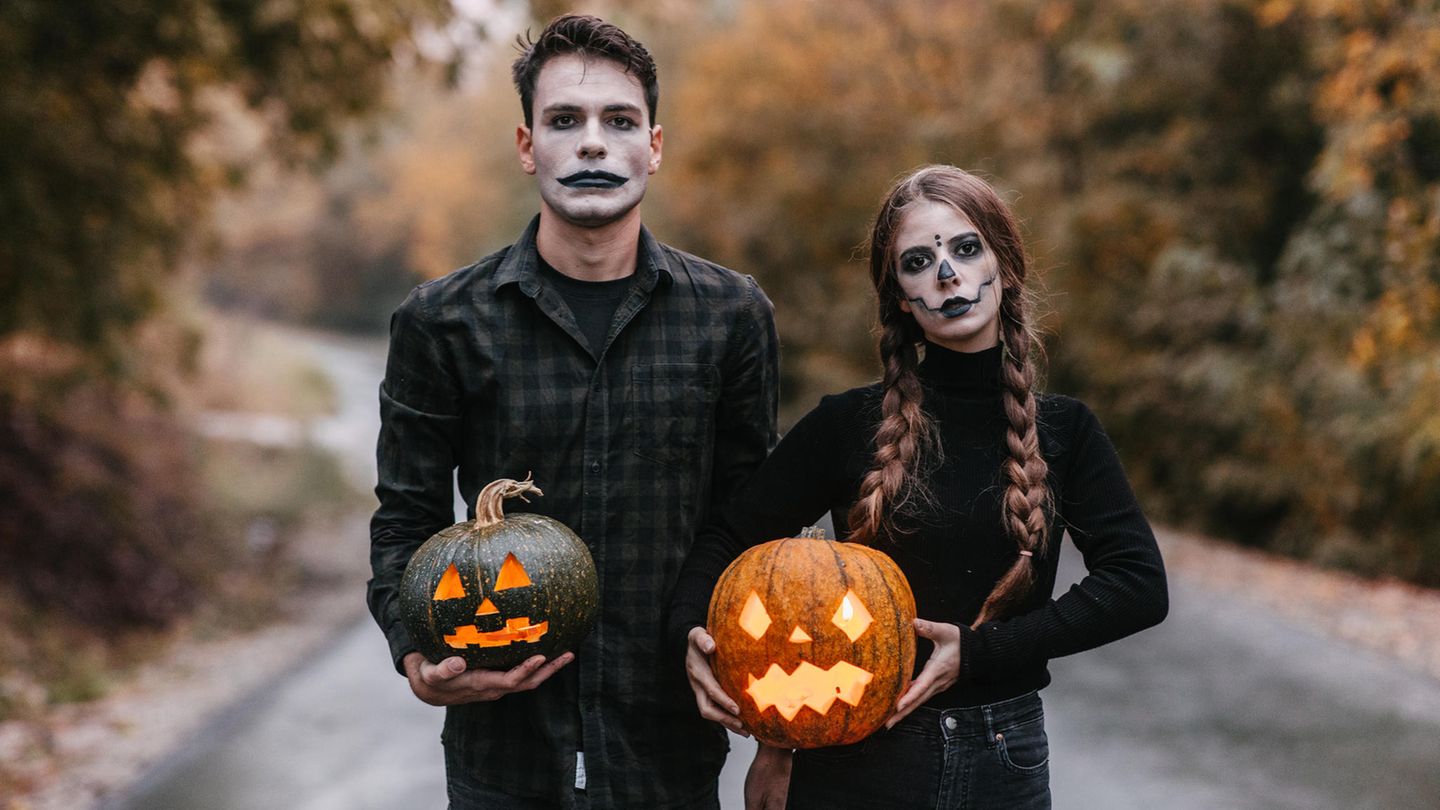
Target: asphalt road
(1225, 705)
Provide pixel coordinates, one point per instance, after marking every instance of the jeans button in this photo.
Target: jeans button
(951, 723)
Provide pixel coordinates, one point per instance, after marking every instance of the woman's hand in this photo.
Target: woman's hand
(712, 701)
(767, 783)
(449, 682)
(939, 672)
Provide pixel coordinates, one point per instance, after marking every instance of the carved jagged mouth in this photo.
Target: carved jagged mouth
(808, 685)
(514, 631)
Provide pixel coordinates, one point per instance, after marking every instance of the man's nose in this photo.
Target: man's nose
(592, 142)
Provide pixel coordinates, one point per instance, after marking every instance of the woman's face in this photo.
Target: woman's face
(949, 279)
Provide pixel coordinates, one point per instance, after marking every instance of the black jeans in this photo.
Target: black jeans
(977, 758)
(467, 793)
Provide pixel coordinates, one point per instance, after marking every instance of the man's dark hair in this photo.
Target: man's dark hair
(589, 37)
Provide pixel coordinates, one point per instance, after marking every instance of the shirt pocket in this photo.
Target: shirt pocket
(670, 410)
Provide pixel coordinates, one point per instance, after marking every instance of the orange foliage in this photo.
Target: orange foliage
(1239, 201)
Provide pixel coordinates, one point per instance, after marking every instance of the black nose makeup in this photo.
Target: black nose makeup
(945, 273)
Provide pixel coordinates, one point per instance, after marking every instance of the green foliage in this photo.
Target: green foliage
(118, 123)
(102, 173)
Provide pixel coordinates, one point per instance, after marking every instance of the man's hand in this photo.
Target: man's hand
(448, 683)
(712, 701)
(767, 783)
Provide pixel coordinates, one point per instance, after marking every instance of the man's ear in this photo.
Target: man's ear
(525, 147)
(657, 142)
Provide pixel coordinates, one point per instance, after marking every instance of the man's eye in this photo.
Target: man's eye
(562, 121)
(622, 123)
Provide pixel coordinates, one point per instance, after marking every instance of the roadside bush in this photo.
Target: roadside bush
(98, 516)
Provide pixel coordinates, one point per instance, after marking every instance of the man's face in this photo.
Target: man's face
(592, 149)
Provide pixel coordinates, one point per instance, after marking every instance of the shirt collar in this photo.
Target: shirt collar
(521, 264)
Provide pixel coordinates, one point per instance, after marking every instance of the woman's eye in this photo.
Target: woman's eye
(968, 249)
(914, 264)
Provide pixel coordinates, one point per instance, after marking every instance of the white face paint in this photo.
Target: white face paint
(592, 149)
(949, 278)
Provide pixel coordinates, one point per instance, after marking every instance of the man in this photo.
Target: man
(637, 382)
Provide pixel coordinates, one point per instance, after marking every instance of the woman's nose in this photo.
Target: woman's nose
(946, 271)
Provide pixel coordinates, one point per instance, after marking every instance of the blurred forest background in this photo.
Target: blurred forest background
(1235, 206)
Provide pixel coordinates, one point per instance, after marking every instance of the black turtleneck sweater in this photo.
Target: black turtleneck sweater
(954, 550)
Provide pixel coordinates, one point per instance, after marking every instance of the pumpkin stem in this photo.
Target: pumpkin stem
(813, 532)
(490, 506)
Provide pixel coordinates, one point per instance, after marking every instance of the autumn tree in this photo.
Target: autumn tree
(436, 186)
(1234, 201)
(114, 119)
(102, 175)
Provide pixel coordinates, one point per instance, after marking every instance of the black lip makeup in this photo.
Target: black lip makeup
(958, 305)
(955, 307)
(591, 178)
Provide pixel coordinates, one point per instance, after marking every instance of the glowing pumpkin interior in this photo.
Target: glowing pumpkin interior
(520, 629)
(808, 685)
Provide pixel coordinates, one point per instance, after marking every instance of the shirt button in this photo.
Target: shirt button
(594, 466)
(951, 723)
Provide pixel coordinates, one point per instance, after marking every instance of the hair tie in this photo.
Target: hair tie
(1027, 554)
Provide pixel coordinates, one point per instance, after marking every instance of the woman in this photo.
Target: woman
(957, 469)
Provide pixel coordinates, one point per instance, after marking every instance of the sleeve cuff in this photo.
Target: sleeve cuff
(973, 653)
(400, 646)
(680, 639)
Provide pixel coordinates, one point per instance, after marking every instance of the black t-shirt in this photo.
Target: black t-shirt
(593, 303)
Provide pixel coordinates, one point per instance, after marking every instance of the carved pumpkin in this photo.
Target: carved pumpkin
(814, 639)
(499, 589)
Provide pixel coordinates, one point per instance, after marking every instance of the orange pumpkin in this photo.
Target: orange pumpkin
(814, 639)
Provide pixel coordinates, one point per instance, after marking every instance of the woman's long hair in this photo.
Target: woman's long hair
(905, 433)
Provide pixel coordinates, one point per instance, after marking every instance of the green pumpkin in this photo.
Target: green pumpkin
(498, 590)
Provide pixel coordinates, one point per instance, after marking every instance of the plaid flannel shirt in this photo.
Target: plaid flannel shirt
(489, 373)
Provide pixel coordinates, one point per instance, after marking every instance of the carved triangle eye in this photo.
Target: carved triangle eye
(450, 586)
(512, 574)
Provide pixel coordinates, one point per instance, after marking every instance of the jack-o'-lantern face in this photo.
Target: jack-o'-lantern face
(501, 588)
(808, 685)
(814, 639)
(505, 630)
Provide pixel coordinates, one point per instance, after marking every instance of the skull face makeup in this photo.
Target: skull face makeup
(948, 278)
